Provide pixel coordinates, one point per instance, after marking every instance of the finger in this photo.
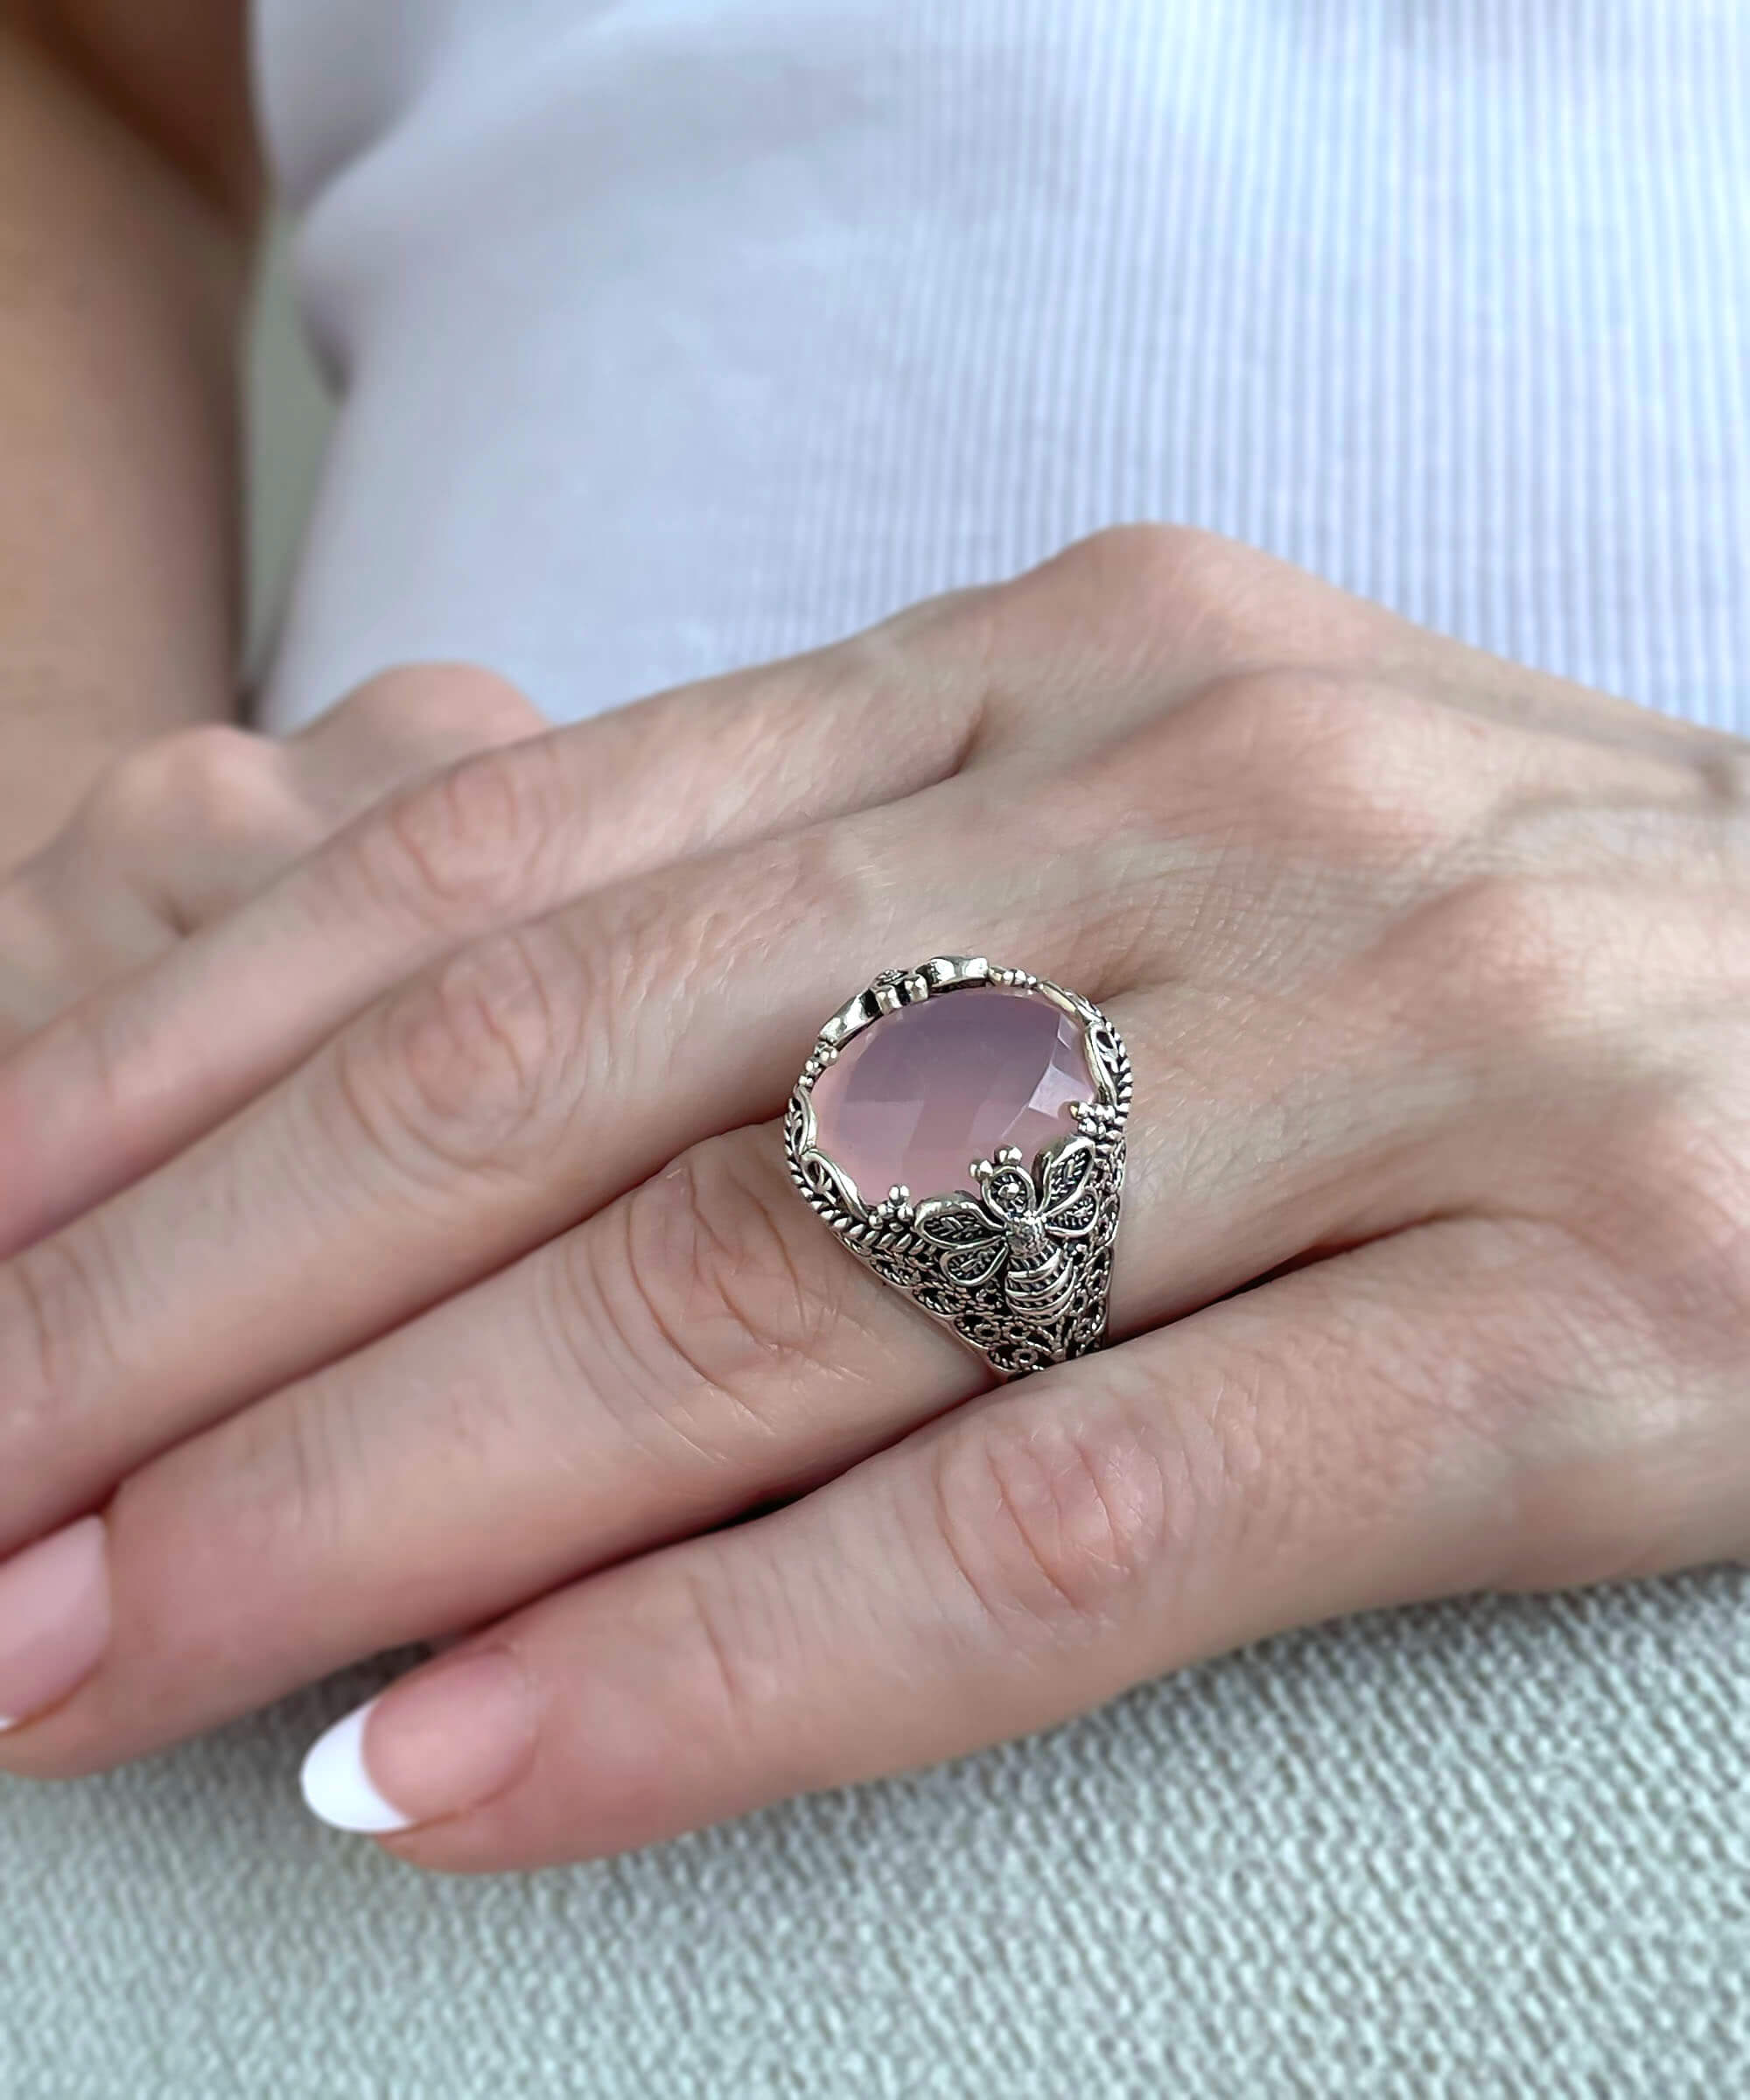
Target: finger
(1400, 1422)
(206, 813)
(128, 1078)
(215, 816)
(189, 826)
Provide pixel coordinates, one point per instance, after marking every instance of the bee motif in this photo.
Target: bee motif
(1018, 1226)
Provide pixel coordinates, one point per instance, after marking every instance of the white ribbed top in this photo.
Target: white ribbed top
(678, 333)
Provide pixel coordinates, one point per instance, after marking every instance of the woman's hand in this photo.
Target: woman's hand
(492, 1295)
(191, 824)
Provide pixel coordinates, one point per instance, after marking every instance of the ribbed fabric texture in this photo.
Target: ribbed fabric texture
(677, 336)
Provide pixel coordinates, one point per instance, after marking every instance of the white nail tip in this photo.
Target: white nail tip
(6, 1722)
(338, 1789)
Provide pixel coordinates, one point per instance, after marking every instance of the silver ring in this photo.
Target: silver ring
(1011, 1245)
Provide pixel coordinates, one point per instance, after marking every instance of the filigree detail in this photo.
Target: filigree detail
(1021, 1270)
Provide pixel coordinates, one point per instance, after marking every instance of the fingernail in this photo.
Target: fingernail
(338, 1787)
(446, 1739)
(54, 1619)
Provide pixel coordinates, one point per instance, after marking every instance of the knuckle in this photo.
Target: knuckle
(212, 782)
(1120, 609)
(1049, 1527)
(686, 940)
(1312, 760)
(1118, 863)
(467, 849)
(1722, 769)
(1502, 958)
(1139, 595)
(281, 1489)
(727, 1684)
(466, 1067)
(292, 1487)
(1670, 1188)
(1159, 574)
(441, 707)
(33, 923)
(721, 1312)
(54, 1315)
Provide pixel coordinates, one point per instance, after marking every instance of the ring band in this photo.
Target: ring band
(1002, 1097)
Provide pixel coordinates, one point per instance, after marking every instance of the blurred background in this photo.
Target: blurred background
(289, 416)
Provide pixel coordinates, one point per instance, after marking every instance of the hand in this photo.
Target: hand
(190, 825)
(491, 1296)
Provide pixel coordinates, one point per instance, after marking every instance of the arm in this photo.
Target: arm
(127, 197)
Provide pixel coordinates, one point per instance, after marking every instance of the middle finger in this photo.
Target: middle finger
(478, 1110)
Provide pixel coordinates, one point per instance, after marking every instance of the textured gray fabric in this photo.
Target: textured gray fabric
(1489, 1849)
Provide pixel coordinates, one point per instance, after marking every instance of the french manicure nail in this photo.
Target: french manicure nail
(445, 1741)
(54, 1619)
(337, 1786)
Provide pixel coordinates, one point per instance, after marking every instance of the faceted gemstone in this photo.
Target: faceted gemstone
(921, 1093)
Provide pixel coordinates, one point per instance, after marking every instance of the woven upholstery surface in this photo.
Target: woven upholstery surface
(1492, 1848)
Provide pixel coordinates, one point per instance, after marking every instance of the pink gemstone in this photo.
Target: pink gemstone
(926, 1090)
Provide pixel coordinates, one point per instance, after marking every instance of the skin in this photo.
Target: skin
(188, 827)
(408, 1249)
(128, 195)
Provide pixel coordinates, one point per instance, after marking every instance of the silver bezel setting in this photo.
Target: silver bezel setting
(1018, 1319)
